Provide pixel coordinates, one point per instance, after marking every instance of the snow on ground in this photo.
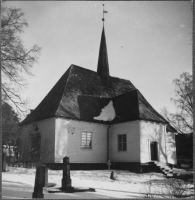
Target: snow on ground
(127, 185)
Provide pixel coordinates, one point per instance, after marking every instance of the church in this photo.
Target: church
(96, 119)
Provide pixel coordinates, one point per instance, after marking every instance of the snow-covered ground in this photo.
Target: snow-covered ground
(20, 181)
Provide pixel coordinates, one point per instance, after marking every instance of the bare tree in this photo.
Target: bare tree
(182, 120)
(16, 60)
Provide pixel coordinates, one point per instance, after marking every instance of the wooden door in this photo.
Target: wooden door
(154, 150)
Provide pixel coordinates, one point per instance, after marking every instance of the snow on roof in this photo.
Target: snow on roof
(107, 113)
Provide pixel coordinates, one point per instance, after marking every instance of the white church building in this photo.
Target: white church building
(93, 118)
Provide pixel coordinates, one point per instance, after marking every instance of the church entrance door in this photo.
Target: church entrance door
(154, 151)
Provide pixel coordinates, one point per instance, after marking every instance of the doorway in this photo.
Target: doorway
(154, 151)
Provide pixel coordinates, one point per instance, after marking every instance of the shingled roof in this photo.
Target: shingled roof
(62, 100)
(80, 94)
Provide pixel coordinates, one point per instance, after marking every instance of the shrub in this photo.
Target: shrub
(172, 188)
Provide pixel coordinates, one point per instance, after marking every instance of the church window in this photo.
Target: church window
(122, 142)
(86, 138)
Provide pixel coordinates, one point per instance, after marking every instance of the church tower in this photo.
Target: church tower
(103, 66)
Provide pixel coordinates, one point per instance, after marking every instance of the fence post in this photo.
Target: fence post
(39, 182)
(66, 180)
(4, 162)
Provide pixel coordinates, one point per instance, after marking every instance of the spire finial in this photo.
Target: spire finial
(103, 14)
(104, 11)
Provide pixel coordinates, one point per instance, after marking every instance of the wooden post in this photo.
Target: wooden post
(66, 180)
(39, 182)
(4, 162)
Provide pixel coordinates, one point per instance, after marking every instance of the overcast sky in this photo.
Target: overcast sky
(149, 43)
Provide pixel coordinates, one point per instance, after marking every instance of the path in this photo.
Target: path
(19, 191)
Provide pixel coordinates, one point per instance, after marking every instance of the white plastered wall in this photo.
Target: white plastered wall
(171, 148)
(151, 131)
(68, 141)
(132, 131)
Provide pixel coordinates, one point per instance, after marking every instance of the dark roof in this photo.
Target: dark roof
(128, 107)
(62, 100)
(147, 112)
(81, 94)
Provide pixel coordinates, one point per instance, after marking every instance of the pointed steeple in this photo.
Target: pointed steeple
(103, 66)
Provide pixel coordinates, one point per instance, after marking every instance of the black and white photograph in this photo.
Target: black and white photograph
(97, 99)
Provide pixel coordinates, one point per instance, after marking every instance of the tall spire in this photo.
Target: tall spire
(103, 66)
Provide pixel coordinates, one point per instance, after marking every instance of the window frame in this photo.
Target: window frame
(82, 147)
(122, 143)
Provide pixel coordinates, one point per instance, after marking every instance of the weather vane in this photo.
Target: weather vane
(104, 11)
